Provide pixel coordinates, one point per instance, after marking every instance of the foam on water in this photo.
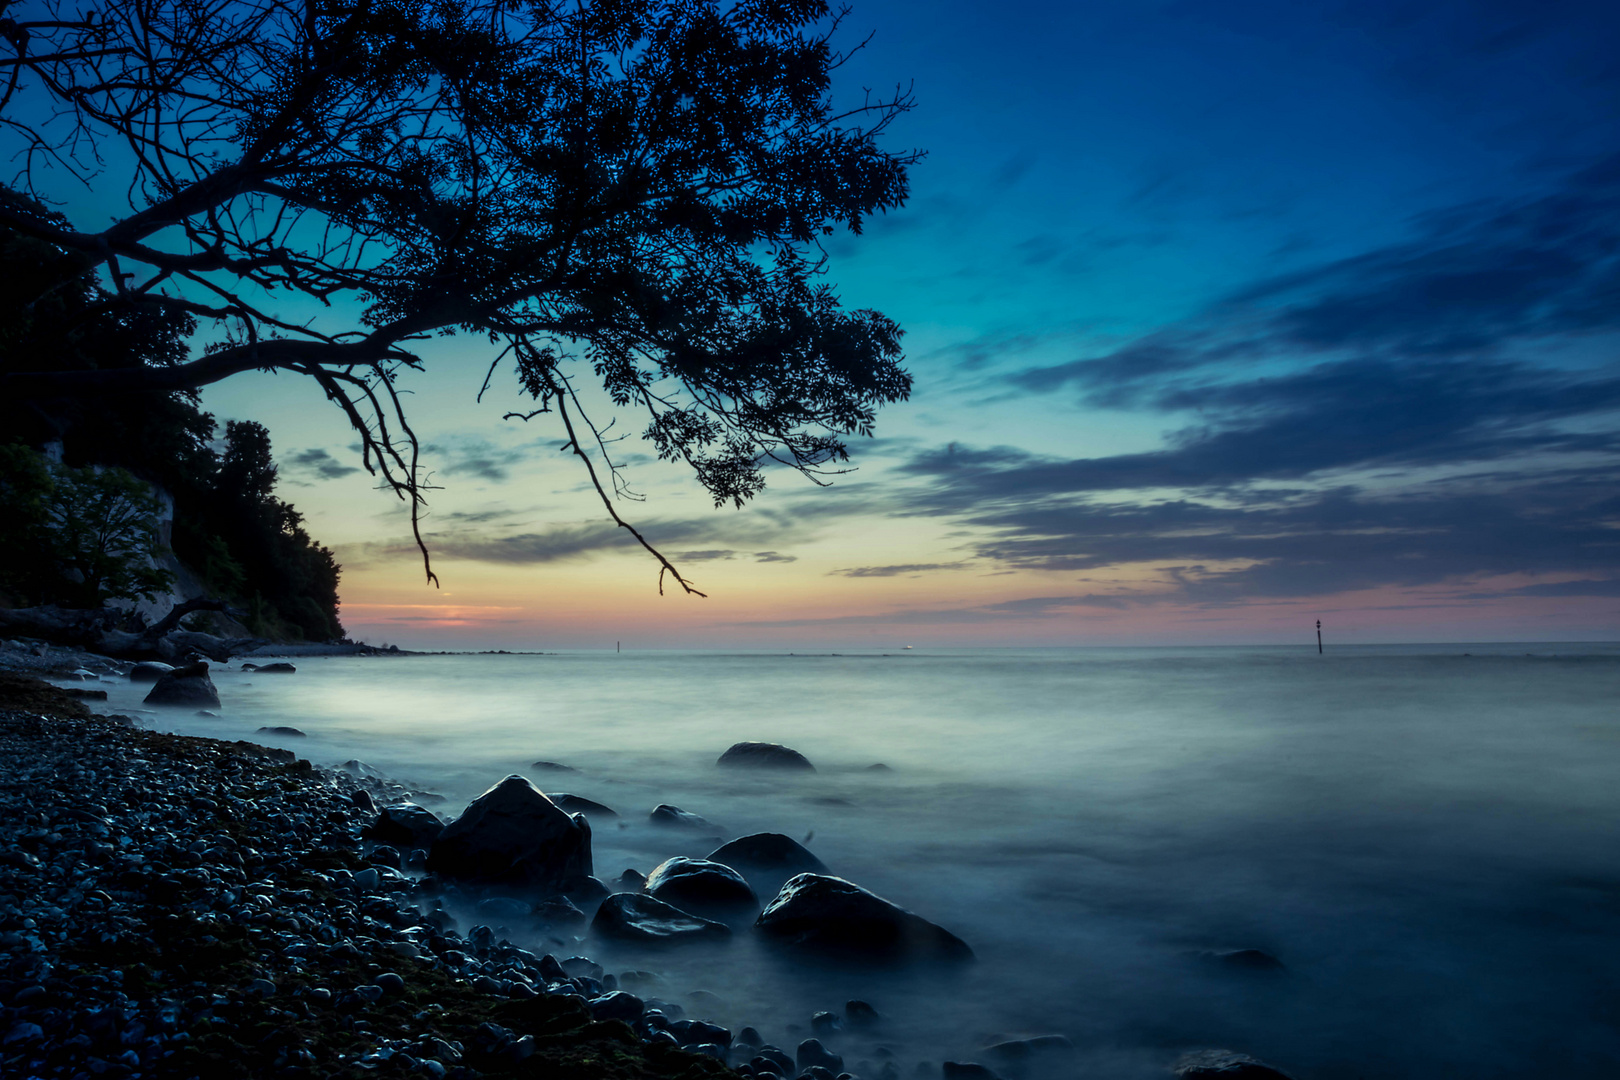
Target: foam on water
(1427, 839)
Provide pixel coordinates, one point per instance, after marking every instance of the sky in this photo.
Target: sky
(1224, 318)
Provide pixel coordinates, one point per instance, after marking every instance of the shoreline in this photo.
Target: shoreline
(345, 899)
(187, 907)
(180, 906)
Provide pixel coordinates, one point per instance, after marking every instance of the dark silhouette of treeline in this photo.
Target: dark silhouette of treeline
(246, 545)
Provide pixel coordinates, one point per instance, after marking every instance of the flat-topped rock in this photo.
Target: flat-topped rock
(149, 671)
(643, 918)
(281, 667)
(513, 835)
(188, 685)
(838, 917)
(765, 755)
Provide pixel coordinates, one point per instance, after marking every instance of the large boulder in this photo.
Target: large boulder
(149, 671)
(188, 685)
(765, 755)
(770, 852)
(837, 917)
(646, 919)
(406, 826)
(513, 835)
(705, 888)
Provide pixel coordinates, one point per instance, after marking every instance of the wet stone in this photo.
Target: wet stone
(812, 1052)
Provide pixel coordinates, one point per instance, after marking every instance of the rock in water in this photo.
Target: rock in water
(1225, 1065)
(280, 668)
(290, 732)
(1039, 1048)
(704, 888)
(835, 916)
(637, 917)
(768, 851)
(149, 671)
(765, 755)
(552, 766)
(578, 804)
(184, 686)
(674, 816)
(513, 835)
(405, 824)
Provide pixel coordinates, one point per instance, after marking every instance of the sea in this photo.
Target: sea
(1426, 837)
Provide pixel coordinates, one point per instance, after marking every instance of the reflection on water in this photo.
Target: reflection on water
(1426, 839)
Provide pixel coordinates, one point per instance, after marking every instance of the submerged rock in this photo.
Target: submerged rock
(578, 804)
(765, 755)
(705, 888)
(835, 916)
(513, 835)
(638, 917)
(278, 668)
(559, 911)
(768, 851)
(1039, 1048)
(859, 1014)
(675, 817)
(405, 824)
(184, 686)
(552, 766)
(1225, 1065)
(280, 730)
(811, 1054)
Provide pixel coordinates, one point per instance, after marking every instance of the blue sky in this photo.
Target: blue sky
(1223, 316)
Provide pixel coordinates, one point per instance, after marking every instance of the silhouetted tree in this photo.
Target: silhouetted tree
(78, 537)
(245, 545)
(639, 186)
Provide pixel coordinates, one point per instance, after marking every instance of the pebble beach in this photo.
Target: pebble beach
(176, 906)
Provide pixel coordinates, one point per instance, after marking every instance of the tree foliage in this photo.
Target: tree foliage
(81, 537)
(633, 188)
(295, 580)
(246, 545)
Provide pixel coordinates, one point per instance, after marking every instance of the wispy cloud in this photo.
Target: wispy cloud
(894, 570)
(318, 463)
(1442, 410)
(1472, 282)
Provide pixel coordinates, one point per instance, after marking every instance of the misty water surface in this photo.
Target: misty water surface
(1426, 839)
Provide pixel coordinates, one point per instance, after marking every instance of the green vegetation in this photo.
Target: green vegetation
(79, 537)
(78, 534)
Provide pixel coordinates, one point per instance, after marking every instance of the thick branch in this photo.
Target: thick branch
(276, 353)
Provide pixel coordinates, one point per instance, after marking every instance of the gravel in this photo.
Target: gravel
(183, 907)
